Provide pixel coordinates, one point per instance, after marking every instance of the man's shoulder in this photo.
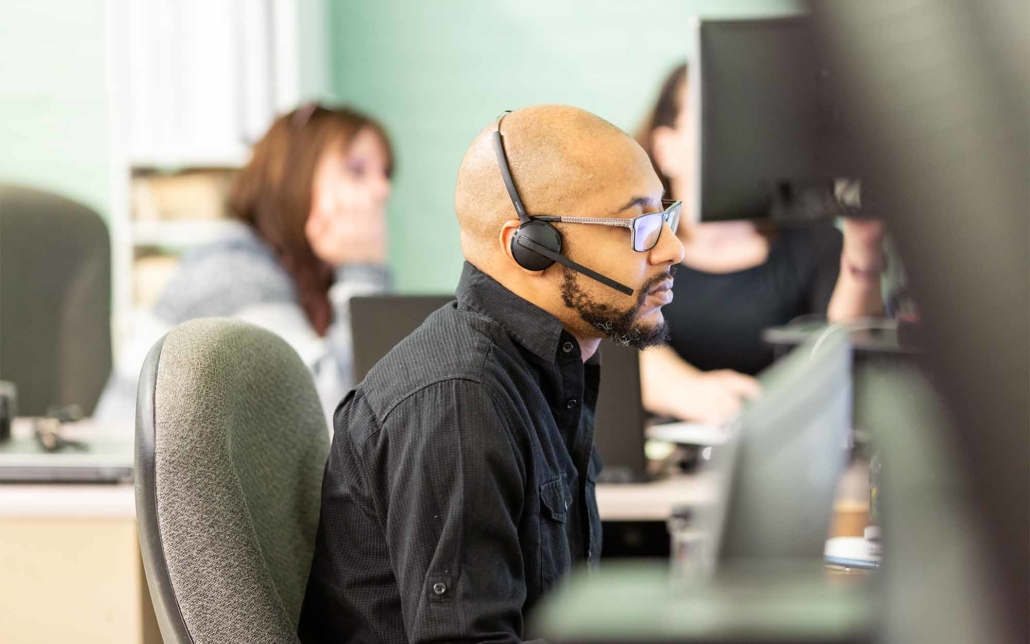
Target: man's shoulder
(454, 343)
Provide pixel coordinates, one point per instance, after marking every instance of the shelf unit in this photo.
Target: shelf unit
(193, 84)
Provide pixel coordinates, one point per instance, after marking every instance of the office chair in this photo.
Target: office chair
(55, 300)
(231, 443)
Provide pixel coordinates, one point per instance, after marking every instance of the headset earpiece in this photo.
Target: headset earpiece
(543, 234)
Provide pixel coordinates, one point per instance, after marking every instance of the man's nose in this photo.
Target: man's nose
(668, 249)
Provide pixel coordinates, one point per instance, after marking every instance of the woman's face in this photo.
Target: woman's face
(675, 155)
(347, 223)
(672, 145)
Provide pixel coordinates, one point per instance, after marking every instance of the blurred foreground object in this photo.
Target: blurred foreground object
(936, 95)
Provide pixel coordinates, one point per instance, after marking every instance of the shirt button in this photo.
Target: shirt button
(439, 589)
(572, 402)
(567, 347)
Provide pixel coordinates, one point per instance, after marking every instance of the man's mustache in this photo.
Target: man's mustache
(658, 279)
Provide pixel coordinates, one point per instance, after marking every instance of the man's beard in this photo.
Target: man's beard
(620, 326)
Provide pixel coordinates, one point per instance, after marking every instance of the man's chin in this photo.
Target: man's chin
(657, 336)
(653, 318)
(641, 336)
(639, 326)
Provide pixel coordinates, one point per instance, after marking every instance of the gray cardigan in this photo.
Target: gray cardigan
(240, 277)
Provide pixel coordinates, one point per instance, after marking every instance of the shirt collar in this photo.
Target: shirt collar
(530, 325)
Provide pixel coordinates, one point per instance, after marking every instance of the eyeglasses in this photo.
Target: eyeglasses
(646, 228)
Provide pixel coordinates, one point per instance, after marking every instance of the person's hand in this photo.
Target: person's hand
(863, 243)
(352, 233)
(714, 397)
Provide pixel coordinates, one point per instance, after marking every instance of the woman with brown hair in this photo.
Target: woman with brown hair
(738, 278)
(311, 207)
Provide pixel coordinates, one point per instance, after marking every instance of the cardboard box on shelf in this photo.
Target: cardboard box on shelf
(150, 276)
(199, 194)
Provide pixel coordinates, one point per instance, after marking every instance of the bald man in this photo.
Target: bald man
(460, 484)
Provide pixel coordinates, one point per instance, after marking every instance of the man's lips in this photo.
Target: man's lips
(661, 287)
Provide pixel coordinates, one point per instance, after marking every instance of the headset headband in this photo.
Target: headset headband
(502, 163)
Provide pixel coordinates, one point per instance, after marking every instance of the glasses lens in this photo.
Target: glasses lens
(646, 230)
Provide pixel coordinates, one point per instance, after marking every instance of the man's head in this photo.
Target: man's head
(567, 162)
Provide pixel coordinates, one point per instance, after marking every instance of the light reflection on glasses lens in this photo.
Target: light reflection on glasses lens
(647, 229)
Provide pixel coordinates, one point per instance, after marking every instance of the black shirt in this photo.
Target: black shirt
(460, 483)
(717, 319)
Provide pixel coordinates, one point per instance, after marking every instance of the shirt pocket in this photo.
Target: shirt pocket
(555, 554)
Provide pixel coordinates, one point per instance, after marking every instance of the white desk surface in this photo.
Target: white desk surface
(67, 500)
(621, 502)
(654, 501)
(22, 428)
(80, 501)
(651, 501)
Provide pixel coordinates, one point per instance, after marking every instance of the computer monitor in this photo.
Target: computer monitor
(770, 141)
(620, 417)
(380, 322)
(780, 469)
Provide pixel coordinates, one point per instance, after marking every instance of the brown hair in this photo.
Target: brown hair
(663, 115)
(273, 194)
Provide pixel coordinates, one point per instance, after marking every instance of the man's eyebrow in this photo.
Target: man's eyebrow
(636, 201)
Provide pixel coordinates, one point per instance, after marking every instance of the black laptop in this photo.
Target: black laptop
(380, 322)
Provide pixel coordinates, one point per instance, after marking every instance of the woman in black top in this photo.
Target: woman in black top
(738, 278)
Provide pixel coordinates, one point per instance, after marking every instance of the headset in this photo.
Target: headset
(536, 245)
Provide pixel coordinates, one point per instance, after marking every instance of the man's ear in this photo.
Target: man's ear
(506, 234)
(664, 148)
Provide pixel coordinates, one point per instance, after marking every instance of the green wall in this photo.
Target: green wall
(434, 72)
(313, 59)
(54, 110)
(437, 72)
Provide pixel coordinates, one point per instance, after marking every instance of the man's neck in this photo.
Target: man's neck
(587, 346)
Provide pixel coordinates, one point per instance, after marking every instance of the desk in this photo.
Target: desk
(648, 504)
(71, 570)
(71, 566)
(654, 501)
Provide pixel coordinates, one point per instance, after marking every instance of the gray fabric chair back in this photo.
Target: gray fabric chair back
(55, 300)
(231, 444)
